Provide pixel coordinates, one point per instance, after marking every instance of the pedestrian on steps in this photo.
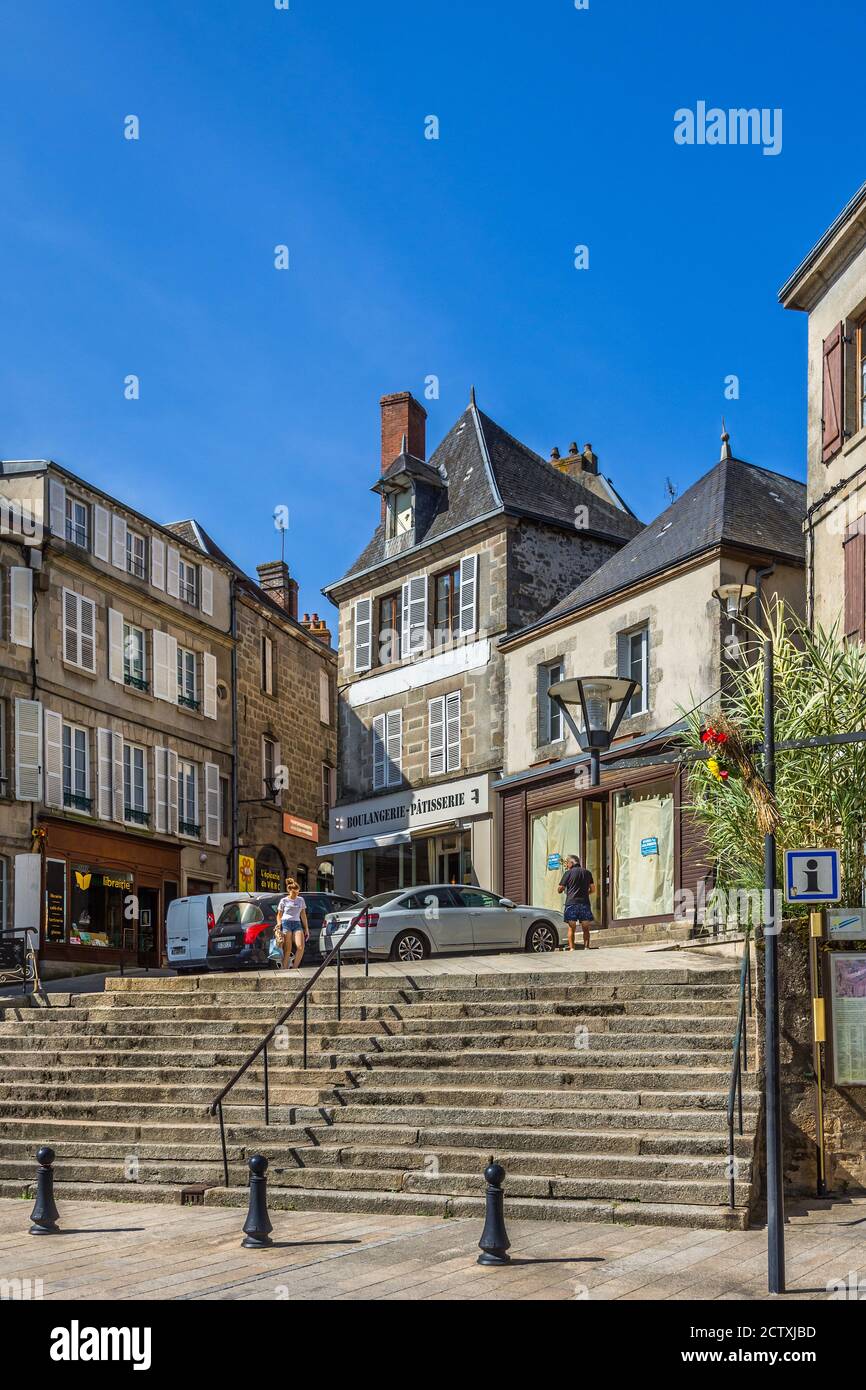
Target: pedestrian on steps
(577, 884)
(293, 929)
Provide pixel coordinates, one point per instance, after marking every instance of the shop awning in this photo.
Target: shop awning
(400, 837)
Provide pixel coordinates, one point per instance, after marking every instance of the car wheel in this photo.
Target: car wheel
(410, 945)
(542, 937)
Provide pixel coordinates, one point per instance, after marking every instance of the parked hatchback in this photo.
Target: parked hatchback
(436, 919)
(243, 934)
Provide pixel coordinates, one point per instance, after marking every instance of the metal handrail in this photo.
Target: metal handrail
(216, 1106)
(739, 1063)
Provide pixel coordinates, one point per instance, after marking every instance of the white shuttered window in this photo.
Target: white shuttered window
(363, 634)
(79, 630)
(444, 754)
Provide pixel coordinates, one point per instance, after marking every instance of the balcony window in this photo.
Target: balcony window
(76, 769)
(187, 685)
(135, 784)
(136, 555)
(188, 581)
(187, 800)
(134, 667)
(76, 522)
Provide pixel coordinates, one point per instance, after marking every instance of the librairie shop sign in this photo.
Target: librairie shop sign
(412, 810)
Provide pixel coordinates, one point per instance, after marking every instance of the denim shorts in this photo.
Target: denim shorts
(577, 912)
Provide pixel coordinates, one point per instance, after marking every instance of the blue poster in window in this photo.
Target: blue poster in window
(649, 845)
(554, 861)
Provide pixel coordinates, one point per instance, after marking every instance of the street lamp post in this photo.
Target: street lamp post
(603, 701)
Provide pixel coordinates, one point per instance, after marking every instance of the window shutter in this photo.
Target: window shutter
(164, 667)
(623, 661)
(378, 752)
(394, 740)
(28, 750)
(468, 594)
(452, 730)
(543, 705)
(21, 601)
(57, 508)
(854, 552)
(209, 668)
(436, 735)
(414, 614)
(267, 665)
(104, 775)
(115, 646)
(118, 542)
(87, 611)
(157, 563)
(101, 529)
(70, 626)
(831, 397)
(53, 734)
(363, 634)
(173, 817)
(206, 589)
(324, 697)
(172, 572)
(160, 778)
(212, 803)
(117, 764)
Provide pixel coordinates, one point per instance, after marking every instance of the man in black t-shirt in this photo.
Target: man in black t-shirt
(577, 884)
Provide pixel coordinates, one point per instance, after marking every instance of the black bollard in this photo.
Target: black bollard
(257, 1227)
(44, 1214)
(494, 1240)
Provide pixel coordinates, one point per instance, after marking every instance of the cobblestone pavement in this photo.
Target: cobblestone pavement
(131, 1250)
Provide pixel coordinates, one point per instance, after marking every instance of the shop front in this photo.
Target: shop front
(106, 895)
(441, 834)
(630, 832)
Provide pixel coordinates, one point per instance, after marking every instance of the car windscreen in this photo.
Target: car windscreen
(240, 914)
(382, 898)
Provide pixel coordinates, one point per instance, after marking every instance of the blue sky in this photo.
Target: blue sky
(409, 257)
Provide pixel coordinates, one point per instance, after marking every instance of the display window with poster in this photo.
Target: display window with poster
(845, 991)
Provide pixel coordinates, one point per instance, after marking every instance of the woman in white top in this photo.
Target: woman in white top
(292, 924)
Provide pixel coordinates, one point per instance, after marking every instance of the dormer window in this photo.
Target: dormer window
(400, 514)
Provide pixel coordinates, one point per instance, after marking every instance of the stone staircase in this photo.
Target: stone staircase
(603, 1093)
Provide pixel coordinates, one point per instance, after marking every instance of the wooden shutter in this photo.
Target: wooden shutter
(206, 590)
(104, 774)
(21, 603)
(28, 750)
(543, 705)
(70, 627)
(118, 542)
(57, 508)
(363, 634)
(436, 735)
(157, 563)
(115, 645)
(832, 417)
(87, 618)
(324, 697)
(514, 831)
(452, 730)
(414, 616)
(119, 796)
(394, 741)
(165, 667)
(173, 815)
(212, 803)
(854, 553)
(101, 531)
(53, 735)
(209, 676)
(468, 594)
(378, 737)
(160, 784)
(172, 571)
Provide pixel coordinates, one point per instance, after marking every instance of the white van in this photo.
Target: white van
(190, 922)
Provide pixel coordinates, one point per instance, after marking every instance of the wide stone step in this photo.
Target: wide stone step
(576, 1077)
(306, 1101)
(692, 1110)
(495, 1139)
(586, 1051)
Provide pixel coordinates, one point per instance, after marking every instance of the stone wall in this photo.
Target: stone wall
(844, 1108)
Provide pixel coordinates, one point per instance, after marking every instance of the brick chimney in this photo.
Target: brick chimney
(317, 627)
(402, 414)
(279, 585)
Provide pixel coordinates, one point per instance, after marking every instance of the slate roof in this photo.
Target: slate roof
(488, 471)
(736, 503)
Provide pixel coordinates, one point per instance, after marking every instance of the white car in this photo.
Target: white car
(409, 924)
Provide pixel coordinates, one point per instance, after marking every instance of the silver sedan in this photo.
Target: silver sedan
(409, 924)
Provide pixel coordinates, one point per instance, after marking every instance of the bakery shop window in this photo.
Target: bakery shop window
(101, 908)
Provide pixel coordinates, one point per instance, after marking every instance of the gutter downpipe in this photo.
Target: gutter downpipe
(233, 852)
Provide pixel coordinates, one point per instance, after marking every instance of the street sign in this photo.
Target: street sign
(812, 876)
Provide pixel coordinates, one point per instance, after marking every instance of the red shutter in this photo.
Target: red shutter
(854, 550)
(831, 401)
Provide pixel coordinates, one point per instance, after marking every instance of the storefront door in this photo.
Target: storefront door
(594, 839)
(148, 927)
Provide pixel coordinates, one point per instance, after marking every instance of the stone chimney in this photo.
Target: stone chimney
(575, 462)
(317, 627)
(402, 415)
(279, 585)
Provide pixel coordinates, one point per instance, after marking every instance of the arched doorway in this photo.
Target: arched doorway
(270, 870)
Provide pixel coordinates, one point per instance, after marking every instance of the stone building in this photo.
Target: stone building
(648, 614)
(476, 541)
(116, 656)
(285, 684)
(830, 287)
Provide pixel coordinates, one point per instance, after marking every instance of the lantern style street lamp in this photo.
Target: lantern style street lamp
(735, 598)
(603, 701)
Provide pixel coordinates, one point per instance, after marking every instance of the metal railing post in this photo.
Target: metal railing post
(305, 1032)
(367, 943)
(339, 985)
(223, 1141)
(267, 1089)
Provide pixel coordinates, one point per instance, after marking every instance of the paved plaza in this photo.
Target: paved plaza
(144, 1251)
